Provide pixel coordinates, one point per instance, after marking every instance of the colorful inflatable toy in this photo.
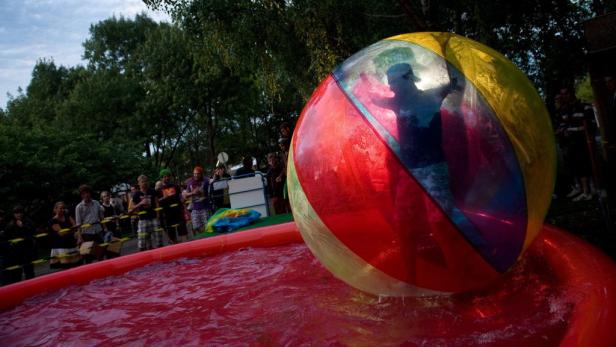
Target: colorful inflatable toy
(423, 163)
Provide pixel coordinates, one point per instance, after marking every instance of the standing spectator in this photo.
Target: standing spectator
(285, 130)
(88, 215)
(285, 144)
(246, 169)
(197, 191)
(118, 204)
(158, 186)
(64, 252)
(124, 222)
(20, 248)
(134, 220)
(574, 118)
(133, 189)
(173, 209)
(144, 202)
(111, 217)
(219, 186)
(275, 182)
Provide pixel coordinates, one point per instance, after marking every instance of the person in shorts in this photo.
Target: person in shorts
(88, 216)
(145, 202)
(197, 192)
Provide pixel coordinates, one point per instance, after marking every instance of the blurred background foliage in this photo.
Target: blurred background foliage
(225, 73)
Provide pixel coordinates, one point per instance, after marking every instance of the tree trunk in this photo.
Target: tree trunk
(148, 153)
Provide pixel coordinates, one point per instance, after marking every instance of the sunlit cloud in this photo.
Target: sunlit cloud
(51, 29)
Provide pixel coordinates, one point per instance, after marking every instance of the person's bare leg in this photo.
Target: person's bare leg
(585, 186)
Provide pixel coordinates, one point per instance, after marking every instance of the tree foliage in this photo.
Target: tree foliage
(226, 73)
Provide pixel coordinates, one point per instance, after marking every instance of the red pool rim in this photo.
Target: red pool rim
(575, 264)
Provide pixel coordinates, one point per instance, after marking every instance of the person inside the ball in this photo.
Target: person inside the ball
(420, 138)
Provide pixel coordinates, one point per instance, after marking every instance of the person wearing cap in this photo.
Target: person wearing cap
(197, 193)
(173, 209)
(20, 248)
(419, 119)
(88, 215)
(418, 116)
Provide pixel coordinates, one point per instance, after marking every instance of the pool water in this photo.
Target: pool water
(282, 296)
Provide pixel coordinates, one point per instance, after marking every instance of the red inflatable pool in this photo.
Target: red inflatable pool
(263, 287)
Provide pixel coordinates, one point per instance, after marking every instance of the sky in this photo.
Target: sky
(51, 29)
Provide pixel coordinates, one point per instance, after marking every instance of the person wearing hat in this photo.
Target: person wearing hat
(20, 248)
(420, 139)
(197, 192)
(173, 209)
(419, 118)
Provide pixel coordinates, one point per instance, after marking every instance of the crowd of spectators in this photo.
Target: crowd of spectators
(164, 212)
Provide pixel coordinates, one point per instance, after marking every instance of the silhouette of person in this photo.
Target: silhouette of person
(420, 140)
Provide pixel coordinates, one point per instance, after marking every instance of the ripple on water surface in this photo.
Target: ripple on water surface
(282, 296)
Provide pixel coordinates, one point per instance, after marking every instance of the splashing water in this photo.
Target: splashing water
(282, 296)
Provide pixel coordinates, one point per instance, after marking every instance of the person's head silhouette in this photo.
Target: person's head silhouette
(401, 79)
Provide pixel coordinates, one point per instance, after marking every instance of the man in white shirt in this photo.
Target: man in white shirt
(88, 215)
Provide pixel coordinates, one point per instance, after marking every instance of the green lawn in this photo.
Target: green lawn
(271, 220)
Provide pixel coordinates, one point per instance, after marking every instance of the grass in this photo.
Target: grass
(271, 220)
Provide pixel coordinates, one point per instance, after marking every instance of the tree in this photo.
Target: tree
(226, 73)
(114, 42)
(314, 36)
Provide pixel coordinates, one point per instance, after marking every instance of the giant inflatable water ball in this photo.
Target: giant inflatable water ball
(424, 163)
